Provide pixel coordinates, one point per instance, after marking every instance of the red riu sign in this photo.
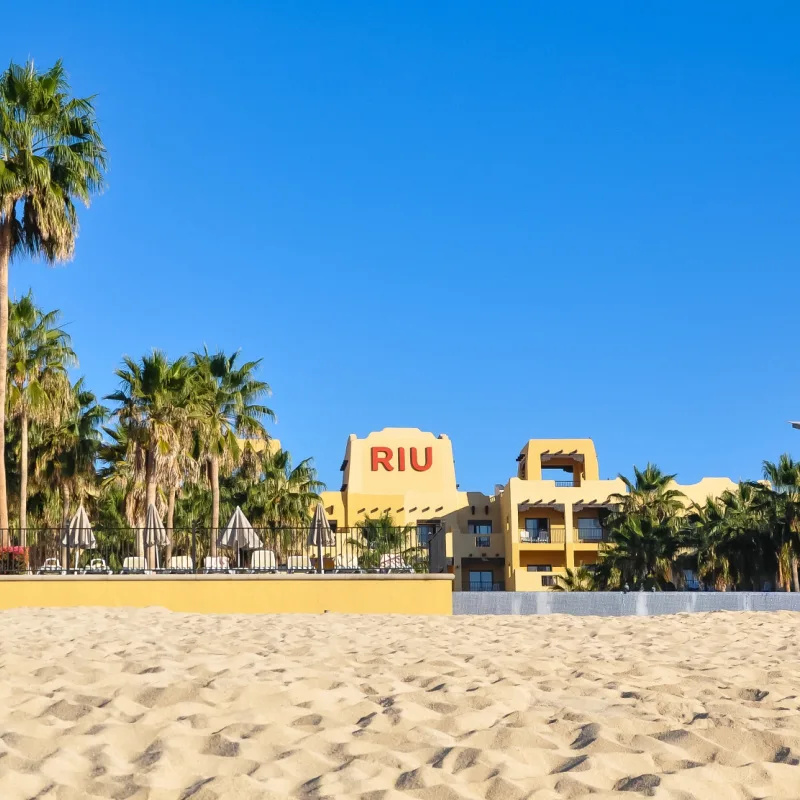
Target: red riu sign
(382, 456)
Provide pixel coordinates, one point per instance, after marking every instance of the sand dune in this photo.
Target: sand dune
(151, 704)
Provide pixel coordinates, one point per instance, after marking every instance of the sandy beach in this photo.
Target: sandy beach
(152, 704)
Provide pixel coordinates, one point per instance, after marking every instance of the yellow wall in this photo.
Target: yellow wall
(351, 594)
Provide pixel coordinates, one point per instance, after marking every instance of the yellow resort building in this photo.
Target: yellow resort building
(541, 521)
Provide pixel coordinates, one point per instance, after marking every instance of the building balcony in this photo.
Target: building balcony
(555, 534)
(591, 535)
(487, 587)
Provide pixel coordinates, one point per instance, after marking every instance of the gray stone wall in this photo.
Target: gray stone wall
(616, 604)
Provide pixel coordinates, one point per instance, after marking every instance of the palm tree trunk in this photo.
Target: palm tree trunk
(23, 479)
(5, 256)
(795, 580)
(214, 474)
(149, 499)
(65, 501)
(173, 490)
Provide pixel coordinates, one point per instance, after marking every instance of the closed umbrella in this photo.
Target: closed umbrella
(320, 534)
(155, 534)
(79, 535)
(239, 533)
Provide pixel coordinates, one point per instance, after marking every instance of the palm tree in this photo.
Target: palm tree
(39, 391)
(123, 473)
(287, 495)
(68, 453)
(784, 494)
(731, 538)
(649, 492)
(575, 580)
(228, 409)
(154, 403)
(642, 549)
(51, 154)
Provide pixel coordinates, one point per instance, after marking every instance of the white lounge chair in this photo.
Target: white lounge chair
(394, 563)
(346, 564)
(299, 564)
(181, 564)
(98, 566)
(51, 566)
(216, 564)
(134, 565)
(263, 561)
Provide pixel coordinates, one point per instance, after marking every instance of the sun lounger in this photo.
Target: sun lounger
(346, 564)
(180, 564)
(394, 563)
(299, 564)
(51, 566)
(263, 561)
(216, 564)
(98, 566)
(134, 565)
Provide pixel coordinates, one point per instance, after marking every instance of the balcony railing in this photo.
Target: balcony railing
(555, 534)
(569, 484)
(593, 534)
(487, 587)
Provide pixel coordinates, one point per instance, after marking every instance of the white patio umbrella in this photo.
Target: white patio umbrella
(79, 535)
(320, 533)
(155, 534)
(239, 533)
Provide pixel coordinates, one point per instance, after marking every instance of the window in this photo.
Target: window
(480, 526)
(589, 530)
(480, 581)
(425, 532)
(537, 530)
(548, 580)
(540, 568)
(483, 541)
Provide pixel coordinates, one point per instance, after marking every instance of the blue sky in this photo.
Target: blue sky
(500, 221)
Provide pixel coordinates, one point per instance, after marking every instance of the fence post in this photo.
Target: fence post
(194, 547)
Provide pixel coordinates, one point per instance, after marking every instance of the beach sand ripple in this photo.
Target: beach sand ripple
(122, 703)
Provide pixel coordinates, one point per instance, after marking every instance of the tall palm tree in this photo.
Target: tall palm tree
(228, 409)
(642, 549)
(39, 391)
(649, 492)
(154, 402)
(287, 495)
(784, 492)
(51, 155)
(732, 539)
(68, 453)
(123, 472)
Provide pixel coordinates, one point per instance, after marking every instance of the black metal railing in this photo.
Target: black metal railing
(203, 550)
(487, 587)
(595, 533)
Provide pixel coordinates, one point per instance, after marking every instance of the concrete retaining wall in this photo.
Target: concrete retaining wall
(616, 604)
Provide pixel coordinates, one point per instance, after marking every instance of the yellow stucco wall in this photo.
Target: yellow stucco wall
(220, 594)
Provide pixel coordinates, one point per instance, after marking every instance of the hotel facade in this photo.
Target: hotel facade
(542, 520)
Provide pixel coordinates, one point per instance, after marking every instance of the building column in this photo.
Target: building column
(569, 538)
